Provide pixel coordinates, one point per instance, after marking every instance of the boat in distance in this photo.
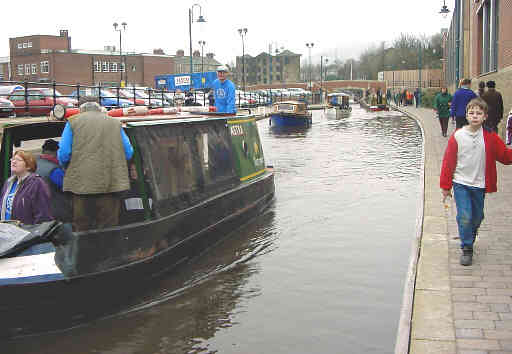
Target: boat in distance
(338, 105)
(290, 114)
(197, 179)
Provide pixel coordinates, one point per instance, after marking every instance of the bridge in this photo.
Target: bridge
(330, 86)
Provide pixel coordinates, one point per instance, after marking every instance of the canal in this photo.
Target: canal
(322, 271)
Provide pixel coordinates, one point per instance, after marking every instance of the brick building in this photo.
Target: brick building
(47, 58)
(479, 46)
(284, 67)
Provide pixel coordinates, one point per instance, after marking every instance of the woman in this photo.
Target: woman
(442, 107)
(25, 195)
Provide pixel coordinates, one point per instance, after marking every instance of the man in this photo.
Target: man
(495, 103)
(224, 92)
(48, 168)
(95, 149)
(460, 100)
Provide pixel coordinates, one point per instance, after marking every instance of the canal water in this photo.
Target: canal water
(322, 271)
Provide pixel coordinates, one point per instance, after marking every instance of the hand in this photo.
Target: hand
(446, 193)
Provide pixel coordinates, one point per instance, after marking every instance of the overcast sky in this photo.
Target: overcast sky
(339, 29)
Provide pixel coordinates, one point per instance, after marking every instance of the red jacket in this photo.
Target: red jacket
(495, 150)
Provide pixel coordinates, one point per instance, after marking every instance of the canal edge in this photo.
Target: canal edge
(403, 338)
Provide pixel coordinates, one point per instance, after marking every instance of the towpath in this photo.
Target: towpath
(459, 309)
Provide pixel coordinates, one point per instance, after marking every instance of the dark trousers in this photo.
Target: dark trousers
(444, 125)
(460, 122)
(95, 211)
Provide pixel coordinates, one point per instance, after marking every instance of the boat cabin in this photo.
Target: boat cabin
(338, 99)
(290, 107)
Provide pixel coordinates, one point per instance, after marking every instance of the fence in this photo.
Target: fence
(415, 84)
(38, 98)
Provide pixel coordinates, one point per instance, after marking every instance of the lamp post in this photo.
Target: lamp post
(120, 50)
(326, 61)
(243, 33)
(310, 46)
(202, 43)
(190, 20)
(444, 10)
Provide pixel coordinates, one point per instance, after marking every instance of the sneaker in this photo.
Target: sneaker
(466, 258)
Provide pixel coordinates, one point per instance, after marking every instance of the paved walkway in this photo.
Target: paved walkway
(461, 309)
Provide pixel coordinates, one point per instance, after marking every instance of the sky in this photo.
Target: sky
(338, 29)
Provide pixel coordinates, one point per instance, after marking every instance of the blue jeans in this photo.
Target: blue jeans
(470, 211)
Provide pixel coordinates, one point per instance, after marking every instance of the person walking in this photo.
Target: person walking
(495, 103)
(481, 88)
(224, 92)
(469, 167)
(460, 99)
(442, 107)
(95, 150)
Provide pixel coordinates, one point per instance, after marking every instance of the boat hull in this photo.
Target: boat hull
(54, 301)
(337, 113)
(290, 120)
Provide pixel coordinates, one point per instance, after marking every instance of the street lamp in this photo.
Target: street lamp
(120, 50)
(326, 61)
(190, 20)
(243, 33)
(444, 10)
(202, 43)
(310, 46)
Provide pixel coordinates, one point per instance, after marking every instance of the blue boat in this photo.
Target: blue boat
(290, 114)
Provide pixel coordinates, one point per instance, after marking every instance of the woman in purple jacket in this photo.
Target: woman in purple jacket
(25, 195)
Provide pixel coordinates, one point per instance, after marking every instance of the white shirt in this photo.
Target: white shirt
(470, 169)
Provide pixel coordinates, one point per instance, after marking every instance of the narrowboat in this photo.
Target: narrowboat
(290, 114)
(373, 108)
(197, 179)
(338, 105)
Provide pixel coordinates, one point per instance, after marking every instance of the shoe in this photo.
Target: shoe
(466, 259)
(444, 134)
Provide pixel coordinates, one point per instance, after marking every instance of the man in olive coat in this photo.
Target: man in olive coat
(495, 103)
(94, 149)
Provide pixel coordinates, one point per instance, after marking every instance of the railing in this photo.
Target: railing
(28, 97)
(416, 83)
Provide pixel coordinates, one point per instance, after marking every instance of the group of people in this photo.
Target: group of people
(454, 106)
(469, 162)
(405, 98)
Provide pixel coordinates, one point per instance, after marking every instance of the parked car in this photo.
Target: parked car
(6, 108)
(142, 98)
(108, 99)
(38, 101)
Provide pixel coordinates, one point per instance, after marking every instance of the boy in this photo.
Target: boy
(469, 165)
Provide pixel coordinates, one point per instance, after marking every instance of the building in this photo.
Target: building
(47, 58)
(478, 46)
(267, 69)
(199, 63)
(411, 78)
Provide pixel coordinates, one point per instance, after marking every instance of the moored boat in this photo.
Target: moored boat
(373, 108)
(338, 105)
(290, 114)
(197, 179)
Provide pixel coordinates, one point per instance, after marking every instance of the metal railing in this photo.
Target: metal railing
(416, 83)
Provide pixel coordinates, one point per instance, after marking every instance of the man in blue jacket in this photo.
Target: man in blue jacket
(460, 100)
(224, 92)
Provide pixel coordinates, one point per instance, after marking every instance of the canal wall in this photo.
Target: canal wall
(456, 309)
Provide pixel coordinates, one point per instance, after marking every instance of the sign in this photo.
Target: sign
(162, 82)
(182, 80)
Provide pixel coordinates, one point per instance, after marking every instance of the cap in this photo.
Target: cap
(50, 145)
(222, 68)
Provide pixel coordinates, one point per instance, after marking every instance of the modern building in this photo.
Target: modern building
(267, 69)
(47, 58)
(478, 46)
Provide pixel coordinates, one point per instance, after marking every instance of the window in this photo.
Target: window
(20, 45)
(104, 67)
(113, 67)
(20, 69)
(488, 28)
(34, 68)
(25, 45)
(122, 67)
(97, 66)
(45, 67)
(134, 68)
(27, 69)
(29, 44)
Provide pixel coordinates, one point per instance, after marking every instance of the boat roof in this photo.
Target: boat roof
(290, 102)
(338, 94)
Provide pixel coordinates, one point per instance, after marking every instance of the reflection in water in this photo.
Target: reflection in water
(321, 272)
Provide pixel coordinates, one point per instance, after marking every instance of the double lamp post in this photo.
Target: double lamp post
(121, 83)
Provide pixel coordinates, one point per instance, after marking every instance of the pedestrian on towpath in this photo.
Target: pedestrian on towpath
(224, 92)
(469, 166)
(94, 148)
(460, 99)
(495, 103)
(442, 107)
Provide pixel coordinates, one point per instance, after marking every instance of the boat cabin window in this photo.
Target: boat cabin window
(286, 107)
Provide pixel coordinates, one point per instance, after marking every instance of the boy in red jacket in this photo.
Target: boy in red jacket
(469, 165)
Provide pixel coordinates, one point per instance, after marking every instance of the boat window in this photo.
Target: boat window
(286, 107)
(185, 163)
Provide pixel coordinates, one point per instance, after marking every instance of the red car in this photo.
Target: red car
(40, 101)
